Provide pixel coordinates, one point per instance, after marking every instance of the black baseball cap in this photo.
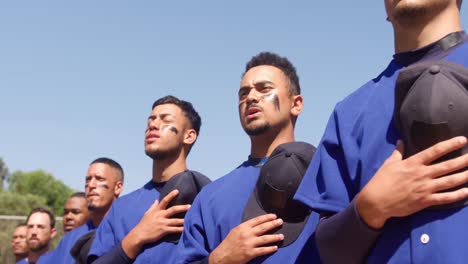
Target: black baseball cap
(277, 183)
(81, 248)
(189, 184)
(431, 105)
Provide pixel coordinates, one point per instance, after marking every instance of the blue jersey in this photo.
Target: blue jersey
(23, 261)
(218, 208)
(61, 254)
(124, 215)
(359, 137)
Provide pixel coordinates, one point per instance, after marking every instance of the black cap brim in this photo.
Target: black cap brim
(189, 184)
(291, 229)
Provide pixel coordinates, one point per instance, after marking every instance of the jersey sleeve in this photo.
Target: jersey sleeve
(49, 257)
(116, 256)
(105, 239)
(328, 184)
(193, 245)
(60, 254)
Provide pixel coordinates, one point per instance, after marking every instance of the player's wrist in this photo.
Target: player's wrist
(369, 212)
(214, 257)
(132, 243)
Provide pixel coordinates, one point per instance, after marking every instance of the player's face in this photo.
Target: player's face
(75, 213)
(264, 100)
(400, 10)
(19, 245)
(39, 231)
(165, 131)
(102, 186)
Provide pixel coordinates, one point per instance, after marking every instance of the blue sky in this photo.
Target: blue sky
(78, 78)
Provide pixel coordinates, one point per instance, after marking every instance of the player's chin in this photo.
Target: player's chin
(255, 130)
(93, 206)
(152, 150)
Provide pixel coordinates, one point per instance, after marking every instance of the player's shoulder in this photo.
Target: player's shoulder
(228, 184)
(47, 258)
(127, 201)
(366, 93)
(71, 237)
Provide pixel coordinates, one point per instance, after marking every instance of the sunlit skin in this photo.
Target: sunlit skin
(40, 233)
(102, 187)
(272, 98)
(402, 187)
(19, 245)
(267, 108)
(417, 23)
(75, 213)
(168, 137)
(166, 128)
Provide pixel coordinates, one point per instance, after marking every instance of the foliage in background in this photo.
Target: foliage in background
(7, 227)
(3, 173)
(28, 190)
(19, 204)
(42, 184)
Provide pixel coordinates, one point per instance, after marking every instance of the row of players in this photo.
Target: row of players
(372, 191)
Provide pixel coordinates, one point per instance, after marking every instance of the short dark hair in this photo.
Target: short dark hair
(112, 163)
(186, 107)
(78, 195)
(21, 224)
(282, 63)
(459, 3)
(45, 211)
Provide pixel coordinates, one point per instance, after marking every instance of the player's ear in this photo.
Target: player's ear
(190, 136)
(296, 105)
(53, 232)
(118, 188)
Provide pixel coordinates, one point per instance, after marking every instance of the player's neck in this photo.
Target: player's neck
(97, 215)
(20, 257)
(164, 169)
(33, 256)
(263, 145)
(410, 35)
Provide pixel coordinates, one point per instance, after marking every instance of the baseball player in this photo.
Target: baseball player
(137, 226)
(380, 203)
(214, 229)
(103, 185)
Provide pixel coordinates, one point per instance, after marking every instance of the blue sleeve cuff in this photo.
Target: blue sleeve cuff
(115, 256)
(344, 237)
(201, 261)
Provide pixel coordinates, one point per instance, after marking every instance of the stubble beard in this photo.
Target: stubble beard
(157, 154)
(92, 207)
(411, 14)
(97, 206)
(21, 251)
(38, 247)
(257, 130)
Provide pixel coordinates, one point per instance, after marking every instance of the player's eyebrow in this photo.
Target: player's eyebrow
(257, 83)
(262, 82)
(161, 115)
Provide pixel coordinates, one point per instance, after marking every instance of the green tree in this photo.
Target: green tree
(3, 173)
(42, 184)
(19, 204)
